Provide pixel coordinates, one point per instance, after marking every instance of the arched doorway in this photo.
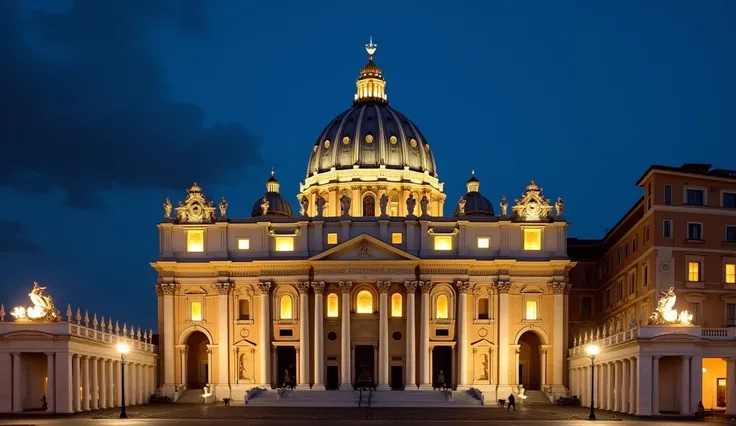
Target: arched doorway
(197, 360)
(530, 370)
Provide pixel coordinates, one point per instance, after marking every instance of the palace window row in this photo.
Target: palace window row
(695, 231)
(695, 268)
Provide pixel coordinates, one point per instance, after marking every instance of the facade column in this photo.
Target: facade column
(183, 363)
(411, 344)
(210, 363)
(319, 340)
(517, 355)
(384, 362)
(730, 386)
(77, 383)
(624, 394)
(685, 385)
(543, 365)
(655, 385)
(63, 378)
(425, 381)
(85, 384)
(102, 376)
(224, 289)
(502, 288)
(17, 382)
(633, 385)
(345, 355)
(558, 337)
(167, 290)
(696, 382)
(264, 339)
(51, 382)
(303, 373)
(463, 288)
(94, 386)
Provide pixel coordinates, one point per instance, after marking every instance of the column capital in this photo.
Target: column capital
(303, 287)
(463, 287)
(557, 287)
(223, 288)
(411, 287)
(318, 286)
(426, 286)
(503, 287)
(345, 286)
(264, 287)
(50, 353)
(165, 289)
(383, 286)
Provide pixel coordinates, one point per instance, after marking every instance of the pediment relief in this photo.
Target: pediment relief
(364, 248)
(195, 290)
(482, 343)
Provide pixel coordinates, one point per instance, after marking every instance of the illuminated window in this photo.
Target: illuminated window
(531, 309)
(196, 311)
(369, 206)
(195, 240)
(243, 310)
(443, 242)
(393, 205)
(396, 306)
(442, 311)
(285, 243)
(693, 272)
(243, 243)
(730, 273)
(286, 307)
(332, 238)
(532, 239)
(484, 242)
(396, 238)
(365, 302)
(333, 306)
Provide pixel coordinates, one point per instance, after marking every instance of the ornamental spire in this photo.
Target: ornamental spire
(371, 48)
(371, 85)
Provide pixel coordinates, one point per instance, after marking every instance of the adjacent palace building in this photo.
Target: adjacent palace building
(369, 279)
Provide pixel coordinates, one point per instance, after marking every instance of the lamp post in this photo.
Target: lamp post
(123, 348)
(592, 351)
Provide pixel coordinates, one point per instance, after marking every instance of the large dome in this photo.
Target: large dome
(371, 134)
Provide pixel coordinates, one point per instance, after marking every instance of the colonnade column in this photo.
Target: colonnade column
(118, 374)
(610, 386)
(730, 386)
(425, 381)
(345, 355)
(319, 344)
(411, 348)
(102, 380)
(303, 373)
(598, 386)
(696, 382)
(655, 385)
(264, 339)
(384, 362)
(633, 385)
(85, 383)
(63, 378)
(616, 386)
(95, 394)
(502, 288)
(685, 385)
(625, 386)
(463, 288)
(50, 382)
(644, 391)
(17, 389)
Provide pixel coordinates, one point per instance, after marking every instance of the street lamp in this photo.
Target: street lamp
(123, 348)
(592, 351)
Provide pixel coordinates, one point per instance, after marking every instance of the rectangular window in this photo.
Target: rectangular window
(645, 275)
(626, 251)
(483, 309)
(609, 299)
(586, 306)
(397, 238)
(635, 243)
(695, 309)
(730, 272)
(729, 200)
(532, 239)
(243, 243)
(396, 305)
(667, 229)
(484, 242)
(730, 314)
(731, 234)
(632, 283)
(694, 231)
(195, 240)
(332, 238)
(646, 233)
(243, 309)
(531, 309)
(694, 197)
(620, 290)
(285, 243)
(443, 242)
(667, 195)
(196, 311)
(693, 272)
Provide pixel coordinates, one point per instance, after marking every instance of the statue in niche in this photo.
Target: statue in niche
(167, 208)
(223, 207)
(461, 205)
(242, 372)
(424, 204)
(265, 205)
(484, 367)
(504, 206)
(383, 204)
(304, 203)
(558, 206)
(411, 204)
(364, 253)
(345, 204)
(320, 203)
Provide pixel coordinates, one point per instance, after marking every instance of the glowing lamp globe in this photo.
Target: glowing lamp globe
(123, 348)
(592, 350)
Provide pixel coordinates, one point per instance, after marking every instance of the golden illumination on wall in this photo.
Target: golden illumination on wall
(396, 238)
(443, 242)
(693, 271)
(396, 305)
(285, 243)
(730, 273)
(196, 311)
(243, 243)
(285, 307)
(532, 239)
(484, 242)
(332, 238)
(531, 309)
(195, 240)
(364, 302)
(333, 306)
(443, 307)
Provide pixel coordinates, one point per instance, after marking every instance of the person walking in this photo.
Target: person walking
(512, 402)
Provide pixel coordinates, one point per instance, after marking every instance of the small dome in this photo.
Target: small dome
(475, 203)
(272, 201)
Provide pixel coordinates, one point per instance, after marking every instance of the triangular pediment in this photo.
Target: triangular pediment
(364, 247)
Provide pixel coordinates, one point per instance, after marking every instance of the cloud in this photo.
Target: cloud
(13, 239)
(84, 106)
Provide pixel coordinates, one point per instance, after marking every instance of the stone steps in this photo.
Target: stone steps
(534, 397)
(190, 396)
(306, 398)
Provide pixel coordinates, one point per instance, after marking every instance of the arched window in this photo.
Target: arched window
(396, 305)
(393, 205)
(417, 206)
(243, 310)
(369, 206)
(364, 302)
(286, 307)
(333, 309)
(442, 307)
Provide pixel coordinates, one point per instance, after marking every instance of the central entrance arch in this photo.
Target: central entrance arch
(530, 368)
(198, 369)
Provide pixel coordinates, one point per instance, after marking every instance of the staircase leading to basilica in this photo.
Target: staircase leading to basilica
(306, 398)
(535, 397)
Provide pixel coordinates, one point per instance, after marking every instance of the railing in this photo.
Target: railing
(90, 333)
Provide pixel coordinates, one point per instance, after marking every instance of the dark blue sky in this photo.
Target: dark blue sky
(108, 107)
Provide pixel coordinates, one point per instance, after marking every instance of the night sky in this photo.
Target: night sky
(107, 107)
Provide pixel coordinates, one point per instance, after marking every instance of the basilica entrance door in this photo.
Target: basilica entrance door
(197, 360)
(442, 362)
(364, 363)
(332, 382)
(530, 372)
(286, 362)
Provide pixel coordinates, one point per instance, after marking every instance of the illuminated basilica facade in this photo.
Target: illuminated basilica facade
(368, 279)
